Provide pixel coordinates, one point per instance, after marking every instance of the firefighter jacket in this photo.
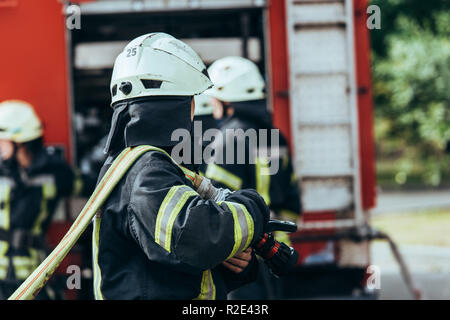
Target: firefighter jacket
(270, 173)
(155, 237)
(28, 200)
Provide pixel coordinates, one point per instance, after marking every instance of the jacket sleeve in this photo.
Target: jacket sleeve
(172, 224)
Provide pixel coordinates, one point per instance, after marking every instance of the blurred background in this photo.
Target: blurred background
(411, 81)
(365, 108)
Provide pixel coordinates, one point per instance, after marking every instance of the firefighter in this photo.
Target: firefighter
(33, 179)
(239, 90)
(159, 235)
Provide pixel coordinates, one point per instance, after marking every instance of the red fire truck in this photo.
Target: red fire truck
(316, 58)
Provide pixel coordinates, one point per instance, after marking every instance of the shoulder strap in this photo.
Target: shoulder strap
(34, 283)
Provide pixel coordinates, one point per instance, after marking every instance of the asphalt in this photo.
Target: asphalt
(398, 202)
(429, 267)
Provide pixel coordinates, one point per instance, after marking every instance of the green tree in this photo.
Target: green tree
(411, 69)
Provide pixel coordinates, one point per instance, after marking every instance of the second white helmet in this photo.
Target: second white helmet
(19, 122)
(236, 79)
(203, 105)
(157, 64)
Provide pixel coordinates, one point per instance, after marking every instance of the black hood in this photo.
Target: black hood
(254, 111)
(149, 121)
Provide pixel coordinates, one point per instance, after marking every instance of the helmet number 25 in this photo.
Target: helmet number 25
(131, 52)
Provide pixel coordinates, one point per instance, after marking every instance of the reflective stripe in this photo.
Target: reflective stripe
(263, 178)
(77, 184)
(283, 237)
(293, 178)
(21, 261)
(4, 260)
(172, 204)
(207, 287)
(5, 193)
(285, 161)
(250, 225)
(48, 192)
(22, 273)
(97, 272)
(243, 227)
(221, 175)
(23, 266)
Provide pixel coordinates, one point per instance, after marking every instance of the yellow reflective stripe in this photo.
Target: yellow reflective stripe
(172, 204)
(22, 274)
(285, 162)
(77, 184)
(49, 190)
(37, 228)
(5, 193)
(293, 178)
(21, 261)
(207, 287)
(4, 260)
(24, 265)
(283, 237)
(221, 175)
(250, 225)
(237, 231)
(22, 271)
(173, 216)
(243, 227)
(97, 272)
(263, 178)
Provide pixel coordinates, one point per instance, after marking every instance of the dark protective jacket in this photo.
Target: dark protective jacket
(156, 238)
(28, 200)
(259, 170)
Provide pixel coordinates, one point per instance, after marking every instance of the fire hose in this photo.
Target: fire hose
(278, 256)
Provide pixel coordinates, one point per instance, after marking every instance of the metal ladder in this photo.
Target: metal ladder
(324, 110)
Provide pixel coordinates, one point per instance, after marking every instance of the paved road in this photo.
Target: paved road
(389, 202)
(429, 267)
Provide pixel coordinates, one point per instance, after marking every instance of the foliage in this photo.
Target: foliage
(412, 89)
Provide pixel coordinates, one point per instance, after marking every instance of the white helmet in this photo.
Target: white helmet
(236, 79)
(157, 64)
(203, 105)
(19, 122)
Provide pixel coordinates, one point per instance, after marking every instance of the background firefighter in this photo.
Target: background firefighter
(239, 90)
(33, 179)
